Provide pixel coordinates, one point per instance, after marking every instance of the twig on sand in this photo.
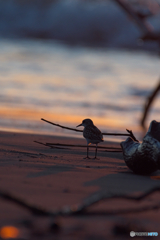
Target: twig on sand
(72, 145)
(82, 208)
(111, 134)
(52, 145)
(45, 144)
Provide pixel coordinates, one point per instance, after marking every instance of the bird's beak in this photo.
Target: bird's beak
(80, 125)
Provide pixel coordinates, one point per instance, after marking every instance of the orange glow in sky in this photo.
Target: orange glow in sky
(28, 114)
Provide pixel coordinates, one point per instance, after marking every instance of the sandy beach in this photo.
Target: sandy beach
(67, 61)
(54, 178)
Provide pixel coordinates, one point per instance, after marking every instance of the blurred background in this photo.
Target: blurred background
(66, 60)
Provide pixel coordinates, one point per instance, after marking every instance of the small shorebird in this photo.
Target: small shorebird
(92, 134)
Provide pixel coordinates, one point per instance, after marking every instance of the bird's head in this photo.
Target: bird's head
(86, 122)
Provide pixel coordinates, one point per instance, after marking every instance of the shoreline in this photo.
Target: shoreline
(54, 178)
(66, 134)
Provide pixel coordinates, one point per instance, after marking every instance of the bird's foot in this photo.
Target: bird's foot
(96, 158)
(87, 157)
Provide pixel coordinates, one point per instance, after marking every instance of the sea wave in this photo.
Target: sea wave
(100, 23)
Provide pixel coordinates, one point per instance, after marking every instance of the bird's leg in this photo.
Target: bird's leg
(87, 152)
(96, 153)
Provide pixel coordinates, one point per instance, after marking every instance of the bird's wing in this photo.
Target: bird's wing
(92, 132)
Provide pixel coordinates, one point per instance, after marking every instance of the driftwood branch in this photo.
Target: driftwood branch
(132, 135)
(72, 145)
(108, 134)
(52, 145)
(58, 125)
(81, 209)
(149, 102)
(33, 209)
(148, 32)
(140, 22)
(105, 196)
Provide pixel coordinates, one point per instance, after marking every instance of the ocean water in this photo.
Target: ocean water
(65, 84)
(66, 60)
(85, 22)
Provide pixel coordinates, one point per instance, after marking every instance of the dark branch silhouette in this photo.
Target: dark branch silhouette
(136, 17)
(58, 125)
(109, 134)
(148, 34)
(149, 102)
(82, 208)
(72, 145)
(52, 145)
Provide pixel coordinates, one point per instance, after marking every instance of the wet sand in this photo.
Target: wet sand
(54, 178)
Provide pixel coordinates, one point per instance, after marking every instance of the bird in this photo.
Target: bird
(92, 134)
